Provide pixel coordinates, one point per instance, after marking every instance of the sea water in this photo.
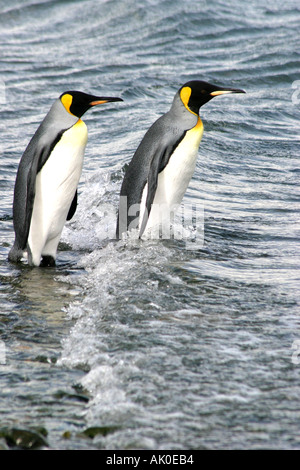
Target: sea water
(183, 343)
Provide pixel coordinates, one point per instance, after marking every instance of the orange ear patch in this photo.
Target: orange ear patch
(67, 101)
(185, 96)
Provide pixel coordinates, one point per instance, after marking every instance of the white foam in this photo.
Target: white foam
(95, 218)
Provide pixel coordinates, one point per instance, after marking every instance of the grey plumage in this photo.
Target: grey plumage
(45, 193)
(35, 156)
(150, 158)
(164, 162)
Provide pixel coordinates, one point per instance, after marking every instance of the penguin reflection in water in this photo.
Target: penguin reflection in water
(158, 175)
(45, 194)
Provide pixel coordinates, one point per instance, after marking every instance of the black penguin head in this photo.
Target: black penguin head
(77, 102)
(195, 94)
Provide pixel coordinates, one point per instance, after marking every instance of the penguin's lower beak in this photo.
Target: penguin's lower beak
(224, 91)
(102, 100)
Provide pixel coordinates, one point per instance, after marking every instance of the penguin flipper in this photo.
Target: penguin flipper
(24, 194)
(158, 163)
(152, 185)
(73, 207)
(31, 163)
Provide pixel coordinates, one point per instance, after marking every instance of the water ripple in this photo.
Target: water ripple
(168, 346)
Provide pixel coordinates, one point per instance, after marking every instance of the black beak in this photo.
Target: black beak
(104, 99)
(224, 91)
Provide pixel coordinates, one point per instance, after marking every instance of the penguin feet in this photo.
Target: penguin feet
(47, 260)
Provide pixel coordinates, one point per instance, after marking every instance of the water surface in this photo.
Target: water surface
(157, 344)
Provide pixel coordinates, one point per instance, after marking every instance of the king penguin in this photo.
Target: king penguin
(45, 193)
(158, 175)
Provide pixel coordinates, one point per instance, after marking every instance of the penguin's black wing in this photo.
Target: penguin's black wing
(24, 193)
(73, 206)
(32, 161)
(150, 158)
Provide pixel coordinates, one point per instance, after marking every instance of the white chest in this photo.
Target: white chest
(59, 177)
(57, 181)
(174, 179)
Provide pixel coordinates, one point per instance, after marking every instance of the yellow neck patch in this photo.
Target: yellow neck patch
(194, 135)
(67, 101)
(185, 95)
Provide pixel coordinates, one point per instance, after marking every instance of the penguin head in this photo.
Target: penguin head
(195, 94)
(77, 102)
